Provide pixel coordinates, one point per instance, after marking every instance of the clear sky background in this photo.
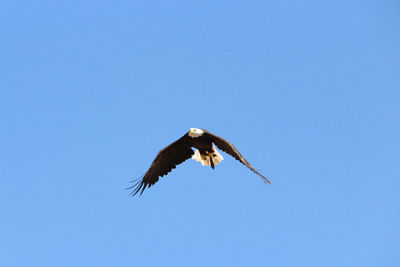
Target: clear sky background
(309, 92)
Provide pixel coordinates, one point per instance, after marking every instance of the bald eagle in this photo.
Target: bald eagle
(181, 150)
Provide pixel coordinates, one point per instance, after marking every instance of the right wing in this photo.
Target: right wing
(166, 160)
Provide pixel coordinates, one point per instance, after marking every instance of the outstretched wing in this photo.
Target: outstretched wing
(166, 160)
(230, 149)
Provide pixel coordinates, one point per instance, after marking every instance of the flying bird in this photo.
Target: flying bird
(181, 150)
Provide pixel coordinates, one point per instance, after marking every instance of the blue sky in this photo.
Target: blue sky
(308, 92)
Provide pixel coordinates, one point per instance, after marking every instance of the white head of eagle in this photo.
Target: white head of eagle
(195, 132)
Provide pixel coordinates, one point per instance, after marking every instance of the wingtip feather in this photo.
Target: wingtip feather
(136, 187)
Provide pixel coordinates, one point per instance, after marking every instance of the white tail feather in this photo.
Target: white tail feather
(205, 159)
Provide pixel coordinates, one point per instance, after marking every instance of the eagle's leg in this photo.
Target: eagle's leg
(211, 160)
(207, 158)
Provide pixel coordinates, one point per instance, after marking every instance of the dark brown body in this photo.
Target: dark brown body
(203, 144)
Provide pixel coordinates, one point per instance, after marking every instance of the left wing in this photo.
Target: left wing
(230, 149)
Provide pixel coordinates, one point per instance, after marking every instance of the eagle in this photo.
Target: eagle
(181, 150)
